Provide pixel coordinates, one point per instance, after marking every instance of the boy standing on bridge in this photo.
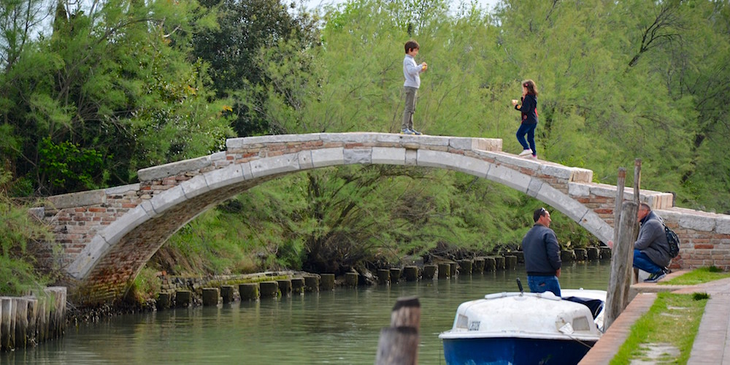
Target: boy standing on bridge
(412, 73)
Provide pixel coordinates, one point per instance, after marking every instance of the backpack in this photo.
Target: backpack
(673, 241)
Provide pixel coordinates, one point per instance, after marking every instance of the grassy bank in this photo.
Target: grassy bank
(666, 333)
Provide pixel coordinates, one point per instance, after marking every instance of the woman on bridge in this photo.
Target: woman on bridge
(527, 105)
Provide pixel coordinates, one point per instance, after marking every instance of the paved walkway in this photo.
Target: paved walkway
(712, 344)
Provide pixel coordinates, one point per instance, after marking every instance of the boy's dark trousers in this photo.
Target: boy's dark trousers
(410, 107)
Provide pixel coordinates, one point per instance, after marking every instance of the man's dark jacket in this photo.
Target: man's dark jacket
(542, 252)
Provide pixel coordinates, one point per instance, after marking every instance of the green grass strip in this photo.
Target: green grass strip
(672, 319)
(698, 276)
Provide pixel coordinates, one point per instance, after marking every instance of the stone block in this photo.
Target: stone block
(390, 156)
(194, 187)
(174, 168)
(327, 281)
(328, 157)
(82, 199)
(121, 190)
(578, 189)
(226, 293)
(167, 199)
(274, 165)
(509, 177)
(411, 157)
(227, 176)
(581, 175)
(361, 156)
(697, 222)
(305, 160)
(722, 224)
(558, 171)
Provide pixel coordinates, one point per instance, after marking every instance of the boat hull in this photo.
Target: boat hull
(507, 350)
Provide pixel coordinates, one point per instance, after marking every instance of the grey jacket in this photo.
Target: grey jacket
(542, 252)
(653, 241)
(412, 72)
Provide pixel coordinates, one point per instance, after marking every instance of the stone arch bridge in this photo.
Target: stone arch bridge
(108, 235)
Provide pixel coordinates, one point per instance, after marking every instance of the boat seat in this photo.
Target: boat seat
(594, 305)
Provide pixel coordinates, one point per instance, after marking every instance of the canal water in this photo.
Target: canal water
(334, 327)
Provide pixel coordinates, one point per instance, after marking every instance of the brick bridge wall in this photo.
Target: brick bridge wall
(108, 235)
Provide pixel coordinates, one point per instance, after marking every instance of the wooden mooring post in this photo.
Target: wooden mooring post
(625, 232)
(398, 344)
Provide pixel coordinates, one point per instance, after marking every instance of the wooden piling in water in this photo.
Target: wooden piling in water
(592, 253)
(580, 254)
(444, 270)
(284, 286)
(453, 267)
(249, 291)
(411, 273)
(398, 344)
(499, 262)
(520, 256)
(297, 285)
(465, 267)
(478, 265)
(311, 283)
(351, 279)
(7, 317)
(269, 289)
(395, 275)
(383, 276)
(226, 293)
(26, 321)
(567, 256)
(211, 297)
(163, 301)
(183, 298)
(510, 262)
(327, 281)
(429, 271)
(490, 264)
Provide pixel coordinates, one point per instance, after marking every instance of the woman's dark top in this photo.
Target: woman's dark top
(528, 109)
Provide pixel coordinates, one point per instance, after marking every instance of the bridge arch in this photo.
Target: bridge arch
(171, 195)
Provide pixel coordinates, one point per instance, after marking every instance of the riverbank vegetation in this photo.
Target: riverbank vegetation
(91, 94)
(655, 336)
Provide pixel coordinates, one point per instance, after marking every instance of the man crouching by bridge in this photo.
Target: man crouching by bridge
(651, 249)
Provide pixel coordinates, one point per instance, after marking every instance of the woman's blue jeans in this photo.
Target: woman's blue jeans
(643, 262)
(541, 284)
(529, 130)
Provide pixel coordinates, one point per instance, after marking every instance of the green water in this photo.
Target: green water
(336, 327)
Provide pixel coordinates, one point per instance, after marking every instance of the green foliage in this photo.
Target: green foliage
(69, 168)
(17, 228)
(145, 286)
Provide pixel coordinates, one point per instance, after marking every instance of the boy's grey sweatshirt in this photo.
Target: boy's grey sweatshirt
(412, 72)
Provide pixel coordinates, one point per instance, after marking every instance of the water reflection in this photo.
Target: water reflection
(336, 327)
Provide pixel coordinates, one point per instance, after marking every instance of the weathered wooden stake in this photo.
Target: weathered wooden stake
(619, 200)
(398, 344)
(621, 261)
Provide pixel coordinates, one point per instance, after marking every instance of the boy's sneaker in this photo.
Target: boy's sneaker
(416, 132)
(653, 278)
(525, 152)
(406, 131)
(533, 157)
